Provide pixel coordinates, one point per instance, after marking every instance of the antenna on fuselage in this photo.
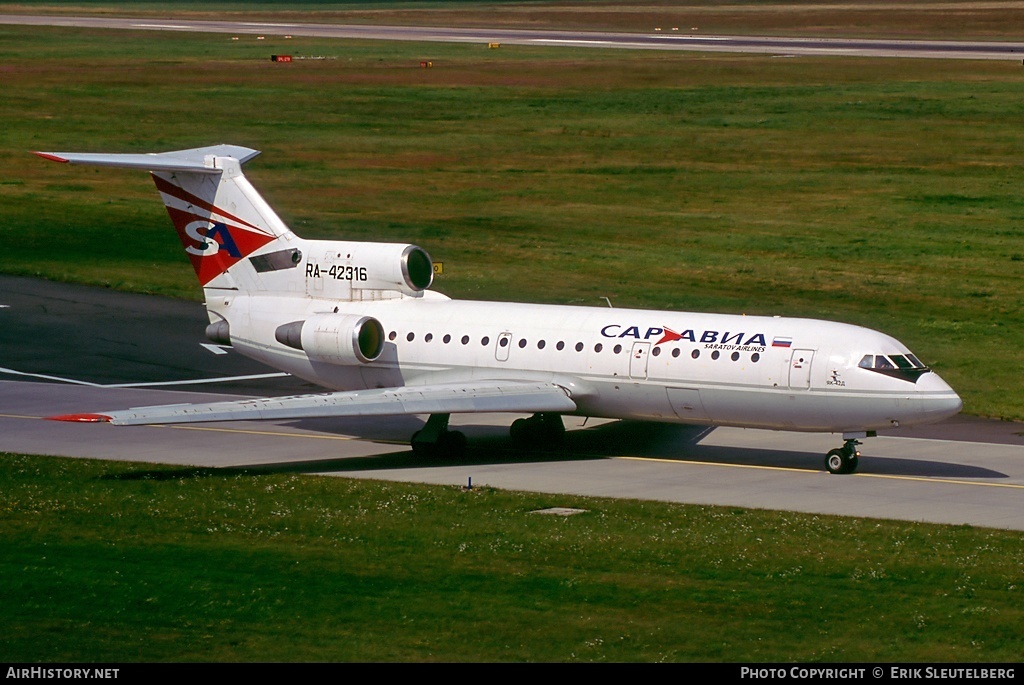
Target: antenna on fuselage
(608, 301)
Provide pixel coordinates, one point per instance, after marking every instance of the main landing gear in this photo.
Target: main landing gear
(844, 459)
(540, 430)
(435, 440)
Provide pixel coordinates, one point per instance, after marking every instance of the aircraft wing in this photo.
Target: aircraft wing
(442, 398)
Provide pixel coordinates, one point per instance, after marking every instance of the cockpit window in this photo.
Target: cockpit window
(903, 366)
(902, 361)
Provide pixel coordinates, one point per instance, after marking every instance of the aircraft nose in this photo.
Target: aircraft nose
(938, 400)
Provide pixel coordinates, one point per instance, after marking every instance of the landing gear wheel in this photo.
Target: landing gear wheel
(540, 430)
(449, 445)
(452, 445)
(434, 440)
(419, 448)
(836, 461)
(843, 459)
(519, 431)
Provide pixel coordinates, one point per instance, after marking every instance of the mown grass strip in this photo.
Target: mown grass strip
(112, 561)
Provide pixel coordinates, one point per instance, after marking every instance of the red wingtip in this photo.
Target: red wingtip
(51, 157)
(80, 418)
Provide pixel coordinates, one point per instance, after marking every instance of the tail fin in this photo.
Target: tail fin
(219, 216)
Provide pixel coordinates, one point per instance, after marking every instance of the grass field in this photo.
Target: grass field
(119, 562)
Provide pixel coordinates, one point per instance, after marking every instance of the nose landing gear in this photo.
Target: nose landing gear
(844, 459)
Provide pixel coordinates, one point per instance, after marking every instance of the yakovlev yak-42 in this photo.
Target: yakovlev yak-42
(359, 319)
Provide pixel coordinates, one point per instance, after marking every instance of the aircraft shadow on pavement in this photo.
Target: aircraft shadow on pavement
(923, 468)
(682, 443)
(491, 445)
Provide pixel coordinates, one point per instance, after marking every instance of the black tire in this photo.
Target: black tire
(837, 462)
(452, 445)
(420, 449)
(552, 430)
(520, 432)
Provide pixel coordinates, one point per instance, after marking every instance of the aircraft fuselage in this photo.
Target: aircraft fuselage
(712, 369)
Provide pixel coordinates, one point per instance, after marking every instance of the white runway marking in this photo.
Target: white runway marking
(216, 349)
(154, 384)
(181, 27)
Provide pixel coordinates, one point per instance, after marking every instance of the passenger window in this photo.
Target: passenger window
(446, 339)
(486, 341)
(656, 351)
(410, 337)
(735, 356)
(695, 354)
(560, 346)
(716, 354)
(428, 337)
(522, 342)
(598, 347)
(541, 344)
(579, 347)
(465, 340)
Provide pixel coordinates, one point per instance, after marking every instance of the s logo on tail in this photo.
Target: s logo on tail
(210, 238)
(213, 244)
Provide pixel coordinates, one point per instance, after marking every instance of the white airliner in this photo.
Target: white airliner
(358, 318)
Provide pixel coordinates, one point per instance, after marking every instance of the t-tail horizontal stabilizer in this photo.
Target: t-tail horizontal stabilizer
(200, 159)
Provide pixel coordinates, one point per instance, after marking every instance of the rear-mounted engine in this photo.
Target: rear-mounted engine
(380, 267)
(335, 338)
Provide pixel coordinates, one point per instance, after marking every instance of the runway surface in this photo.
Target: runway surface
(667, 39)
(69, 349)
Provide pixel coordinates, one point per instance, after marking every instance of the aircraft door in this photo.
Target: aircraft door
(638, 360)
(502, 346)
(800, 369)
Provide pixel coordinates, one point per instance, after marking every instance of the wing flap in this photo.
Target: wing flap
(447, 398)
